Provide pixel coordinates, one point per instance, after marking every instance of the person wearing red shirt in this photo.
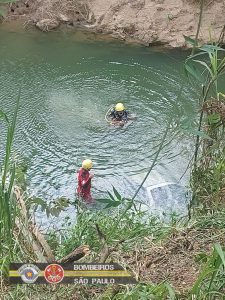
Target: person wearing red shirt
(84, 181)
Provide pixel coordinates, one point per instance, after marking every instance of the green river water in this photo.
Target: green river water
(69, 80)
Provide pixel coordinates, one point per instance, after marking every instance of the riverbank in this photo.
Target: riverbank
(157, 255)
(150, 23)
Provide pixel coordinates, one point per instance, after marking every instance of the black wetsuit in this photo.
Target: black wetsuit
(114, 115)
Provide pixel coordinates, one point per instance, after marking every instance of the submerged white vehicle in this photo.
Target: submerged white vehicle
(167, 198)
(162, 196)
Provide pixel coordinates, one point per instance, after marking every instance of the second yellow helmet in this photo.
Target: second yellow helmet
(119, 107)
(87, 164)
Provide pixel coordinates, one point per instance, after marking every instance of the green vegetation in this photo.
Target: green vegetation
(7, 203)
(183, 258)
(177, 260)
(208, 171)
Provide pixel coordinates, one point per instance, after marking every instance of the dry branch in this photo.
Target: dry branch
(39, 236)
(75, 255)
(35, 240)
(106, 250)
(31, 243)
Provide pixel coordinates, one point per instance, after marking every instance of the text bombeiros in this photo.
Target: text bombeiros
(94, 267)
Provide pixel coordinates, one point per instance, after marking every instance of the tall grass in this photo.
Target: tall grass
(148, 292)
(207, 66)
(211, 280)
(7, 203)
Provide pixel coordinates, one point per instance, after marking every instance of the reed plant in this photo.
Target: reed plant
(7, 202)
(207, 66)
(210, 283)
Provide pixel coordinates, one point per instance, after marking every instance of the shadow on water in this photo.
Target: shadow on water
(68, 85)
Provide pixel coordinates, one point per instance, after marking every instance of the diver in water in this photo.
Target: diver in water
(118, 114)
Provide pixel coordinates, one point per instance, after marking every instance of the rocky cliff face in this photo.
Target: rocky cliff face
(151, 22)
(159, 21)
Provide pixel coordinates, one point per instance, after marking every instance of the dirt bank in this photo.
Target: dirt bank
(151, 22)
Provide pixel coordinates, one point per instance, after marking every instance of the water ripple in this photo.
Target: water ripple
(66, 93)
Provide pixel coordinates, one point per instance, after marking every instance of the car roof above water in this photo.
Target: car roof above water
(167, 197)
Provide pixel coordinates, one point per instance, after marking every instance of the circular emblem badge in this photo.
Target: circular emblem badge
(29, 273)
(54, 273)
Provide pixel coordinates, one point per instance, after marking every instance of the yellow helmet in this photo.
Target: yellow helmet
(87, 164)
(119, 107)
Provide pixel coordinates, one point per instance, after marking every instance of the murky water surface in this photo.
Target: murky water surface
(69, 80)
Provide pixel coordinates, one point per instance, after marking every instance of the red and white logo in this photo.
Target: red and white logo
(54, 273)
